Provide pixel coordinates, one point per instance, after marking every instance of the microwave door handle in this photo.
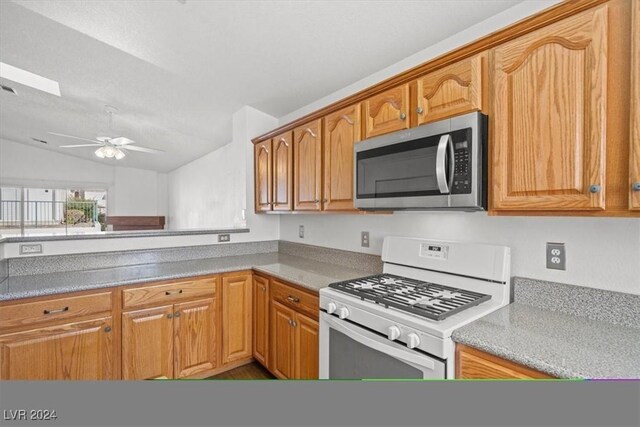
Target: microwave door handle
(441, 162)
(372, 341)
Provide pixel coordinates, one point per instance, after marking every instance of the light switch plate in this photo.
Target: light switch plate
(224, 237)
(364, 239)
(301, 231)
(28, 249)
(556, 256)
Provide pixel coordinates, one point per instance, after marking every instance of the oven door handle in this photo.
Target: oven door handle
(373, 341)
(444, 181)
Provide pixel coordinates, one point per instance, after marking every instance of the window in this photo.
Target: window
(28, 211)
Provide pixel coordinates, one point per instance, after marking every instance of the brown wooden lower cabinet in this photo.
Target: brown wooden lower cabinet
(147, 343)
(73, 351)
(261, 319)
(188, 328)
(475, 364)
(294, 344)
(236, 317)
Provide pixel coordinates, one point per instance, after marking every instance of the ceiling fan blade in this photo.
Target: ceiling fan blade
(74, 137)
(121, 140)
(141, 149)
(80, 145)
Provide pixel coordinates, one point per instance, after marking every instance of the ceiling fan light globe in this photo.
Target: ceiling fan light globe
(119, 154)
(100, 153)
(109, 152)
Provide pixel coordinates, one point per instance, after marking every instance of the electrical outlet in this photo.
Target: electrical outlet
(31, 249)
(301, 231)
(556, 256)
(224, 237)
(364, 239)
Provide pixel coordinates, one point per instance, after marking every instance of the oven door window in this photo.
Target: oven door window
(349, 359)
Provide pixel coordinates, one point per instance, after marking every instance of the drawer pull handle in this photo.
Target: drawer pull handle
(173, 292)
(293, 299)
(60, 310)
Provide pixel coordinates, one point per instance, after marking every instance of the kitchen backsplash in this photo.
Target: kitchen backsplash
(357, 260)
(597, 304)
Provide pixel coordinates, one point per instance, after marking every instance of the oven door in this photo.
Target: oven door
(348, 351)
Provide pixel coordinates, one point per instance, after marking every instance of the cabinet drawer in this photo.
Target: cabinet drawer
(168, 292)
(295, 298)
(30, 313)
(476, 364)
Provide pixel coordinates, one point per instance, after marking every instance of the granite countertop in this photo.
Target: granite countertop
(562, 345)
(304, 272)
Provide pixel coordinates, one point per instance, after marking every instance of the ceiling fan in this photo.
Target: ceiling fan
(109, 147)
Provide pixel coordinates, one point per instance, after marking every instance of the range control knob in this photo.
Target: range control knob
(343, 312)
(331, 308)
(413, 340)
(393, 333)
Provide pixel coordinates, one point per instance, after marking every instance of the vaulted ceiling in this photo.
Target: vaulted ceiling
(177, 71)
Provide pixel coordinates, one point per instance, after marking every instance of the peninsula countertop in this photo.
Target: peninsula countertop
(307, 273)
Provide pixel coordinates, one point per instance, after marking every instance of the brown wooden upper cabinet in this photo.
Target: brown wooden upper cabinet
(387, 112)
(550, 117)
(307, 166)
(456, 89)
(263, 162)
(282, 172)
(342, 130)
(634, 198)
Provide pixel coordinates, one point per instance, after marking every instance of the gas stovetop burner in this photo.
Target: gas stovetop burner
(425, 299)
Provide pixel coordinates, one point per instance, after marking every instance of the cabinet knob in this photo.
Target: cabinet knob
(107, 329)
(316, 201)
(403, 116)
(294, 323)
(595, 188)
(177, 314)
(636, 186)
(324, 200)
(169, 316)
(419, 110)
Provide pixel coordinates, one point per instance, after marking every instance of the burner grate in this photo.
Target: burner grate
(436, 302)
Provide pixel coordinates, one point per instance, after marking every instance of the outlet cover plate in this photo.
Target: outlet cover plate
(301, 231)
(556, 256)
(224, 237)
(364, 239)
(32, 248)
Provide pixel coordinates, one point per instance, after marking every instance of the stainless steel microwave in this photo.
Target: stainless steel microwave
(437, 166)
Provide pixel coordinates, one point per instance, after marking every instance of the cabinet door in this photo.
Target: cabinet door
(307, 167)
(282, 172)
(261, 319)
(75, 351)
(387, 111)
(236, 317)
(453, 90)
(549, 121)
(634, 200)
(263, 176)
(147, 343)
(306, 350)
(282, 341)
(341, 132)
(195, 336)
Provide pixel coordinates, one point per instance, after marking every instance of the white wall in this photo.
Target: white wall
(601, 252)
(214, 190)
(129, 191)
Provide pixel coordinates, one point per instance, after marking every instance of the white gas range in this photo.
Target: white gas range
(398, 324)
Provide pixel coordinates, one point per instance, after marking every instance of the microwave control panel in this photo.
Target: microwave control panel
(462, 162)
